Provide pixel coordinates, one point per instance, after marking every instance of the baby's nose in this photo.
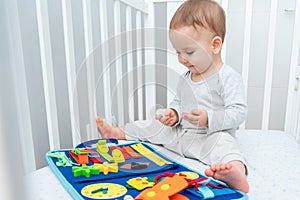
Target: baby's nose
(183, 60)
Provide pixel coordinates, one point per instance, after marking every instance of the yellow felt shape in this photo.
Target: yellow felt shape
(118, 156)
(106, 167)
(103, 149)
(140, 183)
(113, 191)
(150, 154)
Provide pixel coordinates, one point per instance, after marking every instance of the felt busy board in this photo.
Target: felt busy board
(104, 169)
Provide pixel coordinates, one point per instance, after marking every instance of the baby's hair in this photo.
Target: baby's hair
(204, 13)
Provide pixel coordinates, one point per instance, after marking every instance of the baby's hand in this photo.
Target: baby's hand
(169, 118)
(197, 117)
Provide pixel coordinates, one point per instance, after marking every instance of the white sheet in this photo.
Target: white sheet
(273, 159)
(274, 164)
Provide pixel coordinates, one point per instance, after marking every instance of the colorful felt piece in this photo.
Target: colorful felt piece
(107, 167)
(80, 156)
(165, 189)
(103, 191)
(131, 152)
(140, 183)
(103, 150)
(63, 160)
(85, 170)
(150, 154)
(118, 156)
(135, 165)
(126, 156)
(93, 156)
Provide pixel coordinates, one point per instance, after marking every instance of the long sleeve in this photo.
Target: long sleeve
(234, 110)
(222, 95)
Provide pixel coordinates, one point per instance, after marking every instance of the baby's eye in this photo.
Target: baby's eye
(189, 52)
(177, 52)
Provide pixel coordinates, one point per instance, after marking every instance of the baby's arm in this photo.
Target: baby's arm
(228, 116)
(234, 111)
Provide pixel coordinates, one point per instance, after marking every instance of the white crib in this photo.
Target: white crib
(70, 60)
(73, 60)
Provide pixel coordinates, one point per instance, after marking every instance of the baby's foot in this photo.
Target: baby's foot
(108, 131)
(229, 174)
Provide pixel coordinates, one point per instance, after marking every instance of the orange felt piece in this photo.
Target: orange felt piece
(80, 158)
(165, 189)
(131, 152)
(126, 156)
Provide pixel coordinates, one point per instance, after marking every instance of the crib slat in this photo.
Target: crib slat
(134, 62)
(124, 52)
(81, 86)
(246, 49)
(130, 64)
(106, 71)
(89, 54)
(139, 65)
(118, 87)
(143, 64)
(161, 54)
(172, 63)
(71, 70)
(150, 89)
(269, 66)
(47, 69)
(247, 38)
(56, 34)
(97, 63)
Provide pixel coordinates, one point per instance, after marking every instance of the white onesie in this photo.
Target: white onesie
(222, 96)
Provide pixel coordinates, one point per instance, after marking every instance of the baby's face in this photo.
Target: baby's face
(194, 48)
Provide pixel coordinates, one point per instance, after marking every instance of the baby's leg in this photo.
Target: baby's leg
(108, 131)
(150, 131)
(232, 173)
(145, 130)
(219, 147)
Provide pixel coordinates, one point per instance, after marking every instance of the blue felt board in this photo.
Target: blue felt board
(74, 185)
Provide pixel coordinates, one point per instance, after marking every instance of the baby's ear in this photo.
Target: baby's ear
(216, 44)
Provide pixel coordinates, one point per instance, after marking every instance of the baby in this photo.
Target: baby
(209, 105)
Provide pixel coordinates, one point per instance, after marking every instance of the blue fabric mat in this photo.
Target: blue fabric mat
(74, 185)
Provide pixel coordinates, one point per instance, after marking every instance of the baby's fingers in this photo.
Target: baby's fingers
(168, 120)
(196, 112)
(189, 117)
(158, 117)
(161, 118)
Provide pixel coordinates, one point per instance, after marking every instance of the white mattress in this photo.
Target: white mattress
(274, 164)
(273, 159)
